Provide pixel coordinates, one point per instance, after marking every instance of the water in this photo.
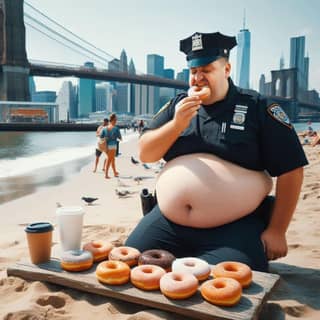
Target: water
(31, 160)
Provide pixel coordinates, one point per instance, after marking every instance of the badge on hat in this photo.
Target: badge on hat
(197, 42)
(277, 113)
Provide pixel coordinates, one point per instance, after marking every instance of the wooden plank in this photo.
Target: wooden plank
(196, 307)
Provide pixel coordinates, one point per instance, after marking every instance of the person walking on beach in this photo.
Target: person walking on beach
(112, 134)
(221, 150)
(101, 145)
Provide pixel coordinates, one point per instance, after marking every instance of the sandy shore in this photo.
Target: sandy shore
(112, 218)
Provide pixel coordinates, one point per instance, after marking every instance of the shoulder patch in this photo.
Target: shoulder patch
(277, 113)
(164, 107)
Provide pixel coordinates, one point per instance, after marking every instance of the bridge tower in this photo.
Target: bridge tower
(14, 65)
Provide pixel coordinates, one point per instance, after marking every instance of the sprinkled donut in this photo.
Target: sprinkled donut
(178, 285)
(222, 291)
(147, 276)
(113, 272)
(99, 249)
(198, 267)
(128, 255)
(201, 92)
(235, 270)
(76, 260)
(161, 258)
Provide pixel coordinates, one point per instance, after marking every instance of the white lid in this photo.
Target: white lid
(69, 211)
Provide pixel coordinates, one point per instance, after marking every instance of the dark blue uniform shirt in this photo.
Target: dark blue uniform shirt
(243, 128)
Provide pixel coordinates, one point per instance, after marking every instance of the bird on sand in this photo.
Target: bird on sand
(58, 204)
(122, 193)
(134, 161)
(121, 183)
(89, 200)
(146, 166)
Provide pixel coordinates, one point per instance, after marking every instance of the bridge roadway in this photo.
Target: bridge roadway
(42, 70)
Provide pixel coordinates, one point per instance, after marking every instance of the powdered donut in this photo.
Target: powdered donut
(178, 285)
(201, 92)
(76, 260)
(198, 267)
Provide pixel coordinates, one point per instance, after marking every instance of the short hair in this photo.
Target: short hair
(105, 120)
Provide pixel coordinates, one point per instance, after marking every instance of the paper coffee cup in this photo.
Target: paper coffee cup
(39, 236)
(70, 221)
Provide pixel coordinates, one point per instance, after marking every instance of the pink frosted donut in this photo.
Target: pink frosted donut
(147, 276)
(198, 267)
(178, 285)
(99, 249)
(128, 255)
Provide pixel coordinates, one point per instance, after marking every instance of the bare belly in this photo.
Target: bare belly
(202, 190)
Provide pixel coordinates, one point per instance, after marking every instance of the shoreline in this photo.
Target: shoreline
(111, 218)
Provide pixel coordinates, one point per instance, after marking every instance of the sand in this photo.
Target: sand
(112, 218)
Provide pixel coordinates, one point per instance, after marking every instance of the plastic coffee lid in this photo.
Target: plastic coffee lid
(39, 227)
(67, 211)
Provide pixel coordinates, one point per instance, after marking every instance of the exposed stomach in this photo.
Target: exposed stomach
(201, 190)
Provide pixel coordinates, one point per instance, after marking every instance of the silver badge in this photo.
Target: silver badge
(197, 42)
(239, 118)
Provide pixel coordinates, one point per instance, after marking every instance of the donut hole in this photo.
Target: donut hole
(190, 264)
(124, 251)
(176, 277)
(231, 268)
(96, 245)
(111, 265)
(156, 255)
(147, 270)
(219, 285)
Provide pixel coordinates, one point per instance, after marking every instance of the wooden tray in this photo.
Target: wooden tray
(248, 308)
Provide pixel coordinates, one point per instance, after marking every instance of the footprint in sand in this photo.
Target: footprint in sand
(52, 300)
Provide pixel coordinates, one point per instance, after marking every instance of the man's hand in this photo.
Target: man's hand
(186, 109)
(275, 244)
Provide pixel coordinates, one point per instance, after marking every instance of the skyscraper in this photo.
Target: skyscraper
(298, 61)
(243, 57)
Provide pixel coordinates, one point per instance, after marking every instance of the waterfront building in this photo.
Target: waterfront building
(65, 99)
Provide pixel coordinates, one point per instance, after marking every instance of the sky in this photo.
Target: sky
(144, 27)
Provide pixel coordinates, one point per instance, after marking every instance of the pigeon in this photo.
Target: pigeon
(146, 166)
(89, 200)
(122, 193)
(58, 204)
(121, 183)
(134, 161)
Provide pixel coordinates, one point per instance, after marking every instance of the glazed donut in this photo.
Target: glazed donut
(201, 92)
(99, 249)
(147, 276)
(198, 267)
(161, 258)
(178, 285)
(113, 272)
(76, 260)
(128, 255)
(221, 291)
(235, 270)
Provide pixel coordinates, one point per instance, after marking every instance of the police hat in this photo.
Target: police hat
(204, 48)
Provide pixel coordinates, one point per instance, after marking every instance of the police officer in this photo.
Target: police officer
(234, 124)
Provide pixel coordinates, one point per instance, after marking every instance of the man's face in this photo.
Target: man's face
(215, 76)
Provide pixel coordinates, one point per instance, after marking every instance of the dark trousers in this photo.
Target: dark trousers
(235, 241)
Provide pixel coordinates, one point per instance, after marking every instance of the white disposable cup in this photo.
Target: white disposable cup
(70, 220)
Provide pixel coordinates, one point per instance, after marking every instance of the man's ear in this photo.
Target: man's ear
(227, 69)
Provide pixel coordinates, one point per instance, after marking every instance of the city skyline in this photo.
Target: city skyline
(135, 28)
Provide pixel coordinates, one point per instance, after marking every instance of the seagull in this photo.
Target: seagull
(89, 200)
(134, 161)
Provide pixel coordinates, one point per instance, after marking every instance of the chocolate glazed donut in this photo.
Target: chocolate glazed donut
(161, 258)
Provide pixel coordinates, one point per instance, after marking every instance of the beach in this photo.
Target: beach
(112, 218)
